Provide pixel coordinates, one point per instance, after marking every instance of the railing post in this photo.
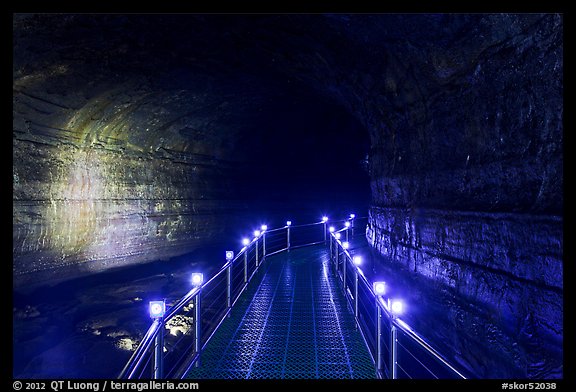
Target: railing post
(352, 224)
(330, 240)
(378, 337)
(229, 287)
(356, 296)
(159, 353)
(324, 224)
(197, 328)
(394, 351)
(288, 236)
(246, 266)
(256, 253)
(337, 256)
(338, 260)
(333, 245)
(344, 272)
(263, 246)
(347, 229)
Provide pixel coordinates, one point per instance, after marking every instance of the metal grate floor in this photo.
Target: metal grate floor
(293, 322)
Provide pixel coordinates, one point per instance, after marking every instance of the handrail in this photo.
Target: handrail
(396, 323)
(307, 224)
(252, 255)
(406, 328)
(138, 355)
(238, 273)
(181, 302)
(217, 274)
(276, 229)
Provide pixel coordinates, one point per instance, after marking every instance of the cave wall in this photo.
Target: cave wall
(509, 268)
(112, 165)
(79, 210)
(467, 178)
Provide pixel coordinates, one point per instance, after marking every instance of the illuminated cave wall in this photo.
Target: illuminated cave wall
(466, 177)
(119, 158)
(95, 187)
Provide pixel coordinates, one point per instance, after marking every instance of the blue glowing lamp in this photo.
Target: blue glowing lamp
(397, 306)
(345, 244)
(352, 216)
(288, 223)
(331, 229)
(157, 309)
(264, 227)
(229, 255)
(347, 224)
(324, 219)
(256, 233)
(379, 288)
(197, 279)
(337, 235)
(357, 260)
(245, 241)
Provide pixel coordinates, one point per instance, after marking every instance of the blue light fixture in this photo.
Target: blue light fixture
(229, 255)
(397, 306)
(324, 219)
(245, 241)
(379, 288)
(157, 309)
(264, 228)
(347, 224)
(345, 244)
(256, 233)
(357, 260)
(197, 279)
(337, 235)
(288, 223)
(331, 229)
(352, 216)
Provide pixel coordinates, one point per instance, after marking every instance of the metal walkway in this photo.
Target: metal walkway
(293, 303)
(293, 324)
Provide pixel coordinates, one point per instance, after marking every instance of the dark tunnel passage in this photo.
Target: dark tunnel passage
(139, 138)
(125, 127)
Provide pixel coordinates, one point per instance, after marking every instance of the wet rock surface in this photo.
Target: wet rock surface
(88, 327)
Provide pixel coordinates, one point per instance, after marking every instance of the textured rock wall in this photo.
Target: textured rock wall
(87, 209)
(109, 172)
(509, 266)
(467, 182)
(118, 158)
(444, 244)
